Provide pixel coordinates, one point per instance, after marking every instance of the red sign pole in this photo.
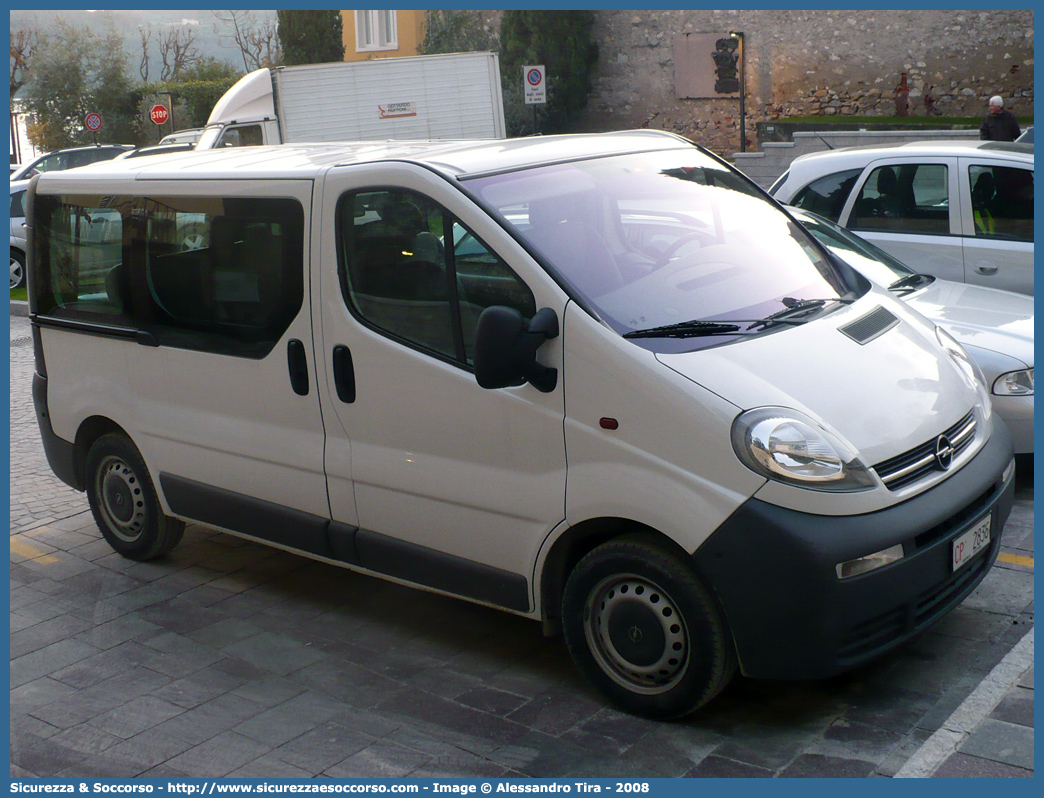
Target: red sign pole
(93, 122)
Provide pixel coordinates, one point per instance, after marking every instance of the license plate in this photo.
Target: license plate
(971, 543)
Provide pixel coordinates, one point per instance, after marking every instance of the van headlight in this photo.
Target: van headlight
(788, 446)
(969, 368)
(1014, 383)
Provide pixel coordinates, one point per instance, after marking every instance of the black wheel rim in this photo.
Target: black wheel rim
(121, 499)
(636, 634)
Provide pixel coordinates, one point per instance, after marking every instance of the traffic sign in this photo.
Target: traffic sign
(533, 85)
(93, 122)
(159, 114)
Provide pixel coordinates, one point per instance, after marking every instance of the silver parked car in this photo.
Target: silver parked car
(186, 136)
(69, 159)
(960, 210)
(995, 327)
(18, 242)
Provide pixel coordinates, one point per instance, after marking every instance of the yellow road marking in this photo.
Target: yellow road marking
(23, 549)
(1015, 559)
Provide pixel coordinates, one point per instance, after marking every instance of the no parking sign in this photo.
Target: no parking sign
(93, 122)
(533, 85)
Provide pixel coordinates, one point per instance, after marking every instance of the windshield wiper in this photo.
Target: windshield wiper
(698, 328)
(910, 282)
(795, 308)
(686, 329)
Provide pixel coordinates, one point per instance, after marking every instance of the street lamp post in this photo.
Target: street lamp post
(742, 90)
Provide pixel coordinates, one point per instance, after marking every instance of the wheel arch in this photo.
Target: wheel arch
(572, 546)
(89, 431)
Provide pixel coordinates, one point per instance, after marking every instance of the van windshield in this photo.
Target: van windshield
(662, 238)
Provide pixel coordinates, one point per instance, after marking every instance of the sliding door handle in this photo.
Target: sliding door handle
(344, 373)
(298, 363)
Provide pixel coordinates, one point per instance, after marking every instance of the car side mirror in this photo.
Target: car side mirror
(506, 347)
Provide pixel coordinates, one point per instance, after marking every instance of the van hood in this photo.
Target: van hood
(884, 396)
(986, 318)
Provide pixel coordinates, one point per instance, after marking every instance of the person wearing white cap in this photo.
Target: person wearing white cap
(999, 125)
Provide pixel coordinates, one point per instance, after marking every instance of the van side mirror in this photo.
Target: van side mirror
(506, 347)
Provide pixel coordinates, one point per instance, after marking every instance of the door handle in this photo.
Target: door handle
(344, 373)
(298, 363)
(986, 270)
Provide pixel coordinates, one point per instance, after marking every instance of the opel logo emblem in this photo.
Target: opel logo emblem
(634, 634)
(943, 452)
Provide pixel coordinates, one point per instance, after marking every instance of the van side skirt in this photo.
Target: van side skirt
(442, 571)
(373, 551)
(254, 517)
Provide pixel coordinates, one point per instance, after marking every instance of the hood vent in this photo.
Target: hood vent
(875, 323)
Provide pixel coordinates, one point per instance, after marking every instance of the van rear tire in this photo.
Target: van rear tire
(124, 503)
(643, 628)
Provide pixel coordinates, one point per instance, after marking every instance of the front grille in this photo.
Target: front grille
(872, 635)
(886, 629)
(919, 462)
(972, 511)
(936, 601)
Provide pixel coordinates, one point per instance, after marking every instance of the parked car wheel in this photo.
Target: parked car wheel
(194, 236)
(645, 631)
(17, 269)
(124, 503)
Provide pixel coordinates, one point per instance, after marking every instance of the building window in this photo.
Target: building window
(376, 30)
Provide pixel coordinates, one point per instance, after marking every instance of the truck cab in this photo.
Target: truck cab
(244, 116)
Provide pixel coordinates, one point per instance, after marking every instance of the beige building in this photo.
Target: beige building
(384, 33)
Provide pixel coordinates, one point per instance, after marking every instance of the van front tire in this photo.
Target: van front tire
(645, 631)
(123, 501)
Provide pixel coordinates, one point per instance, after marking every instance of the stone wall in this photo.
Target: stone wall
(803, 63)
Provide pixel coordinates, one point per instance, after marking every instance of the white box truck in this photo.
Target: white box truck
(451, 96)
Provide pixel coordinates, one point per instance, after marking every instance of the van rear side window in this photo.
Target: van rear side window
(223, 275)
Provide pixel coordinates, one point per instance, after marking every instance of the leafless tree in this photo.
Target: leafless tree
(23, 48)
(145, 32)
(178, 52)
(258, 42)
(264, 45)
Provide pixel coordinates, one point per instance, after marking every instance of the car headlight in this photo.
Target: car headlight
(968, 367)
(1014, 383)
(788, 446)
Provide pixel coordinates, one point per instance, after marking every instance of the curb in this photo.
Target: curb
(976, 707)
(19, 308)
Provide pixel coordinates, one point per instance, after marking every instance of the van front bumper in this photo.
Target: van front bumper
(774, 571)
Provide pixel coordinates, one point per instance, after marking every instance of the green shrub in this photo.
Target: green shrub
(561, 41)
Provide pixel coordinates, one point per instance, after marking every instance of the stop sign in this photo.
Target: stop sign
(159, 114)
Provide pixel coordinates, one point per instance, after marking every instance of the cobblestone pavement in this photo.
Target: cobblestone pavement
(233, 659)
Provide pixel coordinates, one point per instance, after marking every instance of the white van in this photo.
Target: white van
(600, 381)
